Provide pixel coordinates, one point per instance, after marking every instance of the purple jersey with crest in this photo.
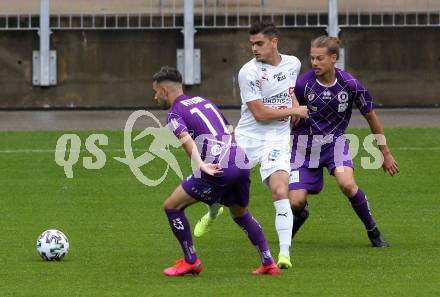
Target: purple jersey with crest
(318, 141)
(330, 106)
(204, 122)
(208, 127)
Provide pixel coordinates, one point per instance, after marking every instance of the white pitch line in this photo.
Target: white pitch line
(22, 151)
(31, 151)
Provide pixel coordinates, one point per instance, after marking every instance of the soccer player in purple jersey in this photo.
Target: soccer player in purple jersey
(319, 141)
(205, 137)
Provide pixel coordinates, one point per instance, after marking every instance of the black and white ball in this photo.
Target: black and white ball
(52, 245)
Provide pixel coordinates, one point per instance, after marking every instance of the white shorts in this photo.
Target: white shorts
(271, 155)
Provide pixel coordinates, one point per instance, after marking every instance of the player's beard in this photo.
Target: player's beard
(163, 104)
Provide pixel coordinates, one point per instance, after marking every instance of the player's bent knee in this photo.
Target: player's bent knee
(349, 189)
(298, 198)
(279, 192)
(298, 204)
(170, 204)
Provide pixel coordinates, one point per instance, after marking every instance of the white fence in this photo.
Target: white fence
(168, 14)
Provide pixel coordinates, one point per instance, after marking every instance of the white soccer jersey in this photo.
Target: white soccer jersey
(272, 84)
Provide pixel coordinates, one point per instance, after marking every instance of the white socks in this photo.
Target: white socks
(283, 224)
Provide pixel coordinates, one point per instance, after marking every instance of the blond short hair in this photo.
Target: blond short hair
(330, 43)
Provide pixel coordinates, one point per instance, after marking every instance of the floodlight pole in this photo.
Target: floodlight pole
(44, 42)
(333, 30)
(333, 27)
(188, 58)
(188, 33)
(44, 60)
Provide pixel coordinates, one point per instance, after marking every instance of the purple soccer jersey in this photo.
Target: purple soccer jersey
(198, 116)
(330, 106)
(209, 128)
(204, 122)
(319, 141)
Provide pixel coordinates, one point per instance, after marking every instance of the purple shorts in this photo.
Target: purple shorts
(307, 164)
(229, 188)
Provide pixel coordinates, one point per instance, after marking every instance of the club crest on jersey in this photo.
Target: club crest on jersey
(311, 96)
(343, 96)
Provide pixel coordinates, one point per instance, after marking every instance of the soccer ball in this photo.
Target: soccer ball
(52, 245)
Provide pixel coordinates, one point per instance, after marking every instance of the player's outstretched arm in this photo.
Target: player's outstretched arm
(190, 148)
(389, 164)
(263, 114)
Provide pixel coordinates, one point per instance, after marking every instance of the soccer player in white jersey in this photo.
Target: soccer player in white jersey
(267, 85)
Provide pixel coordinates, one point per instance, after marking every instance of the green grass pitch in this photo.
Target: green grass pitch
(120, 239)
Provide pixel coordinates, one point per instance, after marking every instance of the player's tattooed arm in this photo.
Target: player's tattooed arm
(389, 164)
(190, 148)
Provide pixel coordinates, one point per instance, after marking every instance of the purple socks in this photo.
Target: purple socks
(253, 230)
(360, 205)
(180, 227)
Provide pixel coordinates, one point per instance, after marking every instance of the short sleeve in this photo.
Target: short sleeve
(294, 72)
(250, 85)
(299, 91)
(362, 98)
(176, 123)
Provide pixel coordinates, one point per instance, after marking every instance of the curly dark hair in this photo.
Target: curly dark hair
(167, 73)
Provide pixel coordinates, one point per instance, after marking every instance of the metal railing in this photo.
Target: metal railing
(168, 14)
(389, 13)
